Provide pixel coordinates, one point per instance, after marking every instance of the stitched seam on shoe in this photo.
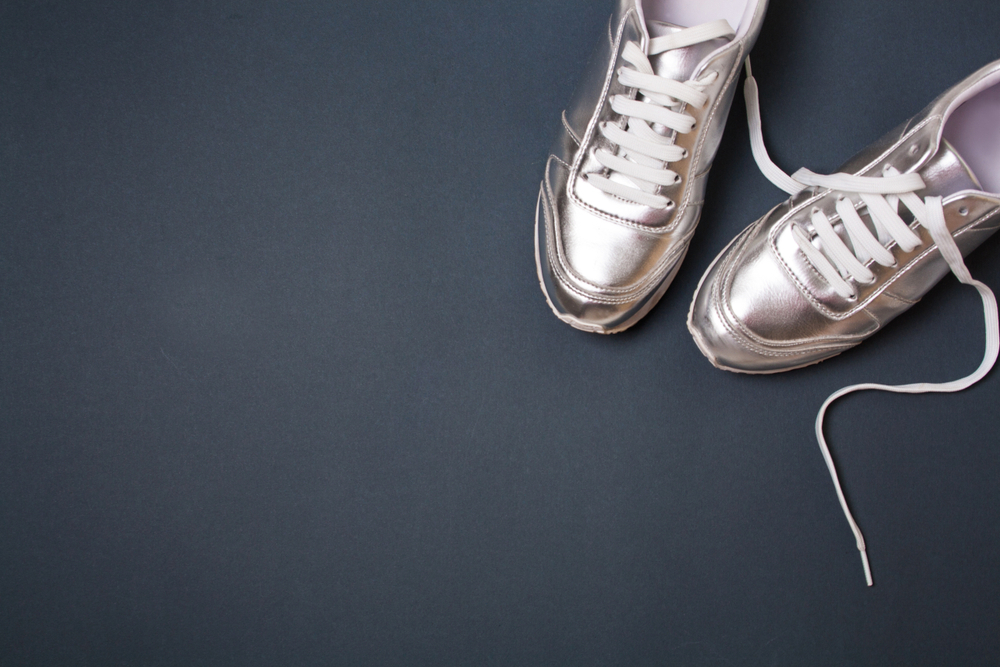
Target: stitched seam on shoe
(755, 344)
(876, 318)
(700, 146)
(592, 124)
(895, 297)
(807, 294)
(629, 293)
(624, 294)
(773, 232)
(741, 339)
(978, 223)
(567, 276)
(552, 242)
(730, 319)
(588, 138)
(569, 129)
(987, 228)
(744, 336)
(699, 149)
(912, 264)
(765, 352)
(555, 262)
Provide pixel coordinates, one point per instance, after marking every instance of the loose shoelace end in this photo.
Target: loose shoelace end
(868, 569)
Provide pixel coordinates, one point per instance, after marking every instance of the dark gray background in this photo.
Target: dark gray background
(278, 385)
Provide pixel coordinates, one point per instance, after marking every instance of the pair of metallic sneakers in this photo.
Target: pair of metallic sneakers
(625, 184)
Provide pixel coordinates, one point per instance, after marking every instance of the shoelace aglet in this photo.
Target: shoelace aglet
(868, 569)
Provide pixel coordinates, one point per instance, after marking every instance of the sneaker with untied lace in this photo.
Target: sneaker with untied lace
(848, 252)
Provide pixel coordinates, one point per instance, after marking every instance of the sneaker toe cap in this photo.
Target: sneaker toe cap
(748, 317)
(599, 275)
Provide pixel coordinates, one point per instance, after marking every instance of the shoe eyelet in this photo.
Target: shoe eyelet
(886, 168)
(914, 149)
(963, 211)
(685, 155)
(677, 179)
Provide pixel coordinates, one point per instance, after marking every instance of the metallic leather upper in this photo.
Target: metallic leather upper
(762, 307)
(604, 261)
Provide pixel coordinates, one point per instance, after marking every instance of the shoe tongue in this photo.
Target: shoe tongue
(679, 64)
(947, 172)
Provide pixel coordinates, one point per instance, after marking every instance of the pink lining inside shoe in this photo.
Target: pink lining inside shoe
(973, 129)
(688, 13)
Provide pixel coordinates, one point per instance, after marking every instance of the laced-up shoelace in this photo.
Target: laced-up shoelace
(841, 265)
(644, 153)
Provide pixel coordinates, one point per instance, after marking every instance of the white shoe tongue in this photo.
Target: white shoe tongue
(946, 173)
(679, 64)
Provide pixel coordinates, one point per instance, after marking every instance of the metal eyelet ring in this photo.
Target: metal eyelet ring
(963, 211)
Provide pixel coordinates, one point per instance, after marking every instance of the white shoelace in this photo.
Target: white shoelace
(838, 264)
(645, 153)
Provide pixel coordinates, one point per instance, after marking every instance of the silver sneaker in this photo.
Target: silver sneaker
(624, 185)
(849, 252)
